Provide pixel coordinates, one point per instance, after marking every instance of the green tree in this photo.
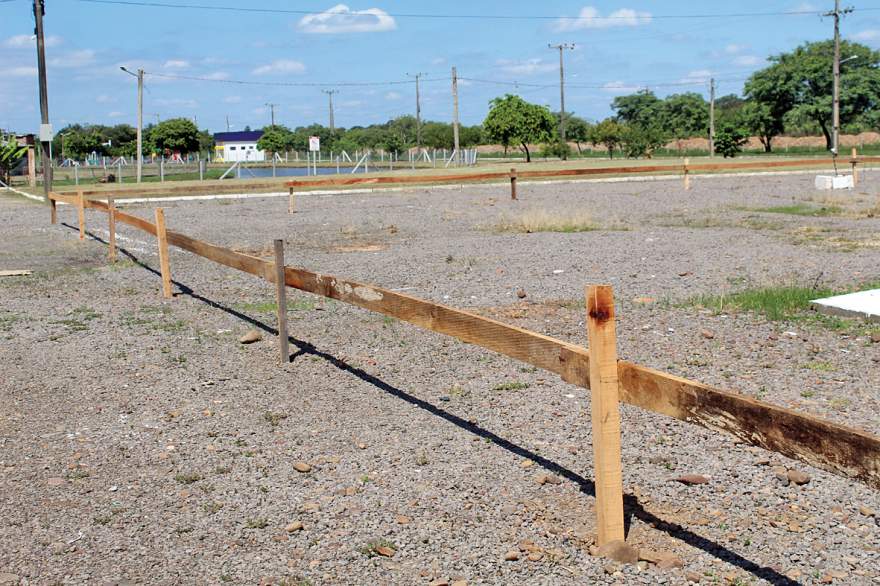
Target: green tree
(729, 140)
(470, 135)
(683, 116)
(512, 120)
(607, 133)
(642, 141)
(758, 119)
(11, 155)
(275, 139)
(578, 130)
(438, 135)
(176, 135)
(641, 108)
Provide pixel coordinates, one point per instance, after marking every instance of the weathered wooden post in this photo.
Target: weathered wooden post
(291, 202)
(53, 209)
(81, 214)
(111, 240)
(854, 162)
(605, 413)
(281, 301)
(687, 176)
(164, 266)
(512, 183)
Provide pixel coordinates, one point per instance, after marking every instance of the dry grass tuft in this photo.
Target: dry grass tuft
(540, 220)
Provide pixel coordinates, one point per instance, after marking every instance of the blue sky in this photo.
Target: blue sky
(375, 41)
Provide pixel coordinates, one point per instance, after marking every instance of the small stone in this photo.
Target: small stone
(280, 538)
(302, 467)
(526, 464)
(669, 562)
(619, 551)
(294, 527)
(535, 556)
(385, 551)
(875, 337)
(798, 477)
(611, 568)
(402, 519)
(693, 577)
(439, 582)
(866, 511)
(650, 555)
(548, 479)
(362, 446)
(55, 481)
(250, 337)
(762, 462)
(521, 293)
(707, 334)
(691, 479)
(459, 583)
(511, 556)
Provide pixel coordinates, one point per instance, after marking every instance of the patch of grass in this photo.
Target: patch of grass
(188, 477)
(78, 320)
(774, 303)
(274, 419)
(7, 318)
(808, 394)
(801, 209)
(511, 386)
(258, 523)
(371, 548)
(839, 403)
(102, 519)
(271, 306)
(78, 474)
(820, 366)
(212, 507)
(546, 221)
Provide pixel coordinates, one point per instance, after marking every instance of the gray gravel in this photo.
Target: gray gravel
(141, 443)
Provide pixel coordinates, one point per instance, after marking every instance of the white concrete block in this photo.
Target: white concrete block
(865, 304)
(824, 182)
(834, 182)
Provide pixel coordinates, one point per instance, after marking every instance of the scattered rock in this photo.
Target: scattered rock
(548, 479)
(875, 337)
(669, 562)
(798, 477)
(280, 538)
(250, 337)
(385, 551)
(707, 334)
(521, 293)
(535, 556)
(694, 577)
(691, 479)
(302, 467)
(459, 583)
(402, 519)
(650, 555)
(439, 582)
(867, 511)
(294, 527)
(511, 556)
(526, 464)
(619, 551)
(762, 462)
(55, 481)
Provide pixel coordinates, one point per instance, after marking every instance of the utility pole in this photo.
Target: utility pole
(272, 109)
(835, 110)
(418, 111)
(227, 123)
(455, 137)
(712, 117)
(330, 98)
(45, 127)
(561, 47)
(140, 120)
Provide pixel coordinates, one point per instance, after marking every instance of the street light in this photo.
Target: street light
(140, 119)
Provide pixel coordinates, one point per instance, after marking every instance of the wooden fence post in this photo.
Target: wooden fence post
(687, 176)
(111, 240)
(53, 209)
(81, 214)
(281, 301)
(164, 266)
(513, 184)
(291, 202)
(855, 171)
(605, 413)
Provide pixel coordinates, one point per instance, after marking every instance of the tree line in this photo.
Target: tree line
(792, 95)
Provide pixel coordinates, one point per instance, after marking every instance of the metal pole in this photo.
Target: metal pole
(45, 128)
(455, 121)
(330, 99)
(140, 128)
(712, 117)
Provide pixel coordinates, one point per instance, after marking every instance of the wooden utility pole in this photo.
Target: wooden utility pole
(604, 396)
(561, 47)
(712, 117)
(227, 123)
(330, 97)
(164, 265)
(418, 111)
(272, 110)
(835, 108)
(45, 127)
(140, 119)
(455, 137)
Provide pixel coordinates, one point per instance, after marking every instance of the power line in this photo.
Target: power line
(608, 18)
(287, 83)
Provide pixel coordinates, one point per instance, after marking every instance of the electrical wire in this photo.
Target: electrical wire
(290, 83)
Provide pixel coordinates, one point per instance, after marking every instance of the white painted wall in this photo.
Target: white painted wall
(242, 151)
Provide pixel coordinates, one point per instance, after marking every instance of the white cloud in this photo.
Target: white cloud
(28, 41)
(867, 35)
(280, 66)
(79, 58)
(747, 60)
(590, 18)
(232, 99)
(619, 87)
(176, 64)
(217, 75)
(525, 67)
(393, 96)
(733, 49)
(342, 19)
(21, 72)
(177, 102)
(115, 114)
(697, 76)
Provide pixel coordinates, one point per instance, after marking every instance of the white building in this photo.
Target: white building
(230, 147)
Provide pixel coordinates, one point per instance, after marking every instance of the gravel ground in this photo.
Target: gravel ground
(141, 443)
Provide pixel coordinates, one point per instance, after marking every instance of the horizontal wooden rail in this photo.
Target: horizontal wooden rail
(836, 448)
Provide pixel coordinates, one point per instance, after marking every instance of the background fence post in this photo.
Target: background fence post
(513, 184)
(81, 214)
(605, 413)
(281, 301)
(164, 266)
(687, 175)
(855, 171)
(111, 240)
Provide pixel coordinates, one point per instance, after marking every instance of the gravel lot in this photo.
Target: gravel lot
(141, 443)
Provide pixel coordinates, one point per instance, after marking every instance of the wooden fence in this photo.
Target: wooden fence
(838, 449)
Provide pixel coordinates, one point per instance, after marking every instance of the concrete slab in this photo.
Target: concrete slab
(864, 304)
(834, 182)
